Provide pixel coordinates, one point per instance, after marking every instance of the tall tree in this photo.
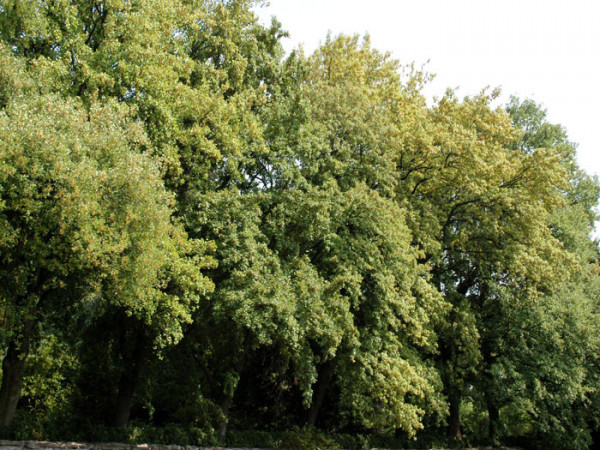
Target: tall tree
(534, 345)
(479, 211)
(343, 219)
(86, 221)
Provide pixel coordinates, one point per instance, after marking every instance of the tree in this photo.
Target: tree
(541, 365)
(86, 220)
(338, 212)
(211, 56)
(479, 211)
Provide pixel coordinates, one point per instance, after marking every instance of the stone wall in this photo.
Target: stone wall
(42, 445)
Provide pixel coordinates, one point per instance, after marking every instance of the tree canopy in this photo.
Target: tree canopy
(206, 241)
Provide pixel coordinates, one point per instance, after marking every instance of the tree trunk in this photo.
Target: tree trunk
(225, 405)
(13, 371)
(127, 386)
(454, 420)
(130, 377)
(493, 416)
(326, 372)
(227, 402)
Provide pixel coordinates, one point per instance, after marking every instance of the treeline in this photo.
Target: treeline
(201, 237)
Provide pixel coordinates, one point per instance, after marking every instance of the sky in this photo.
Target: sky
(548, 51)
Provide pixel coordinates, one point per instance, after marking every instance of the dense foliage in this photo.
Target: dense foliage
(203, 240)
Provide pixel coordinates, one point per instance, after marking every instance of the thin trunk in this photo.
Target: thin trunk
(493, 416)
(454, 420)
(129, 381)
(227, 402)
(324, 380)
(13, 371)
(489, 351)
(225, 406)
(127, 386)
